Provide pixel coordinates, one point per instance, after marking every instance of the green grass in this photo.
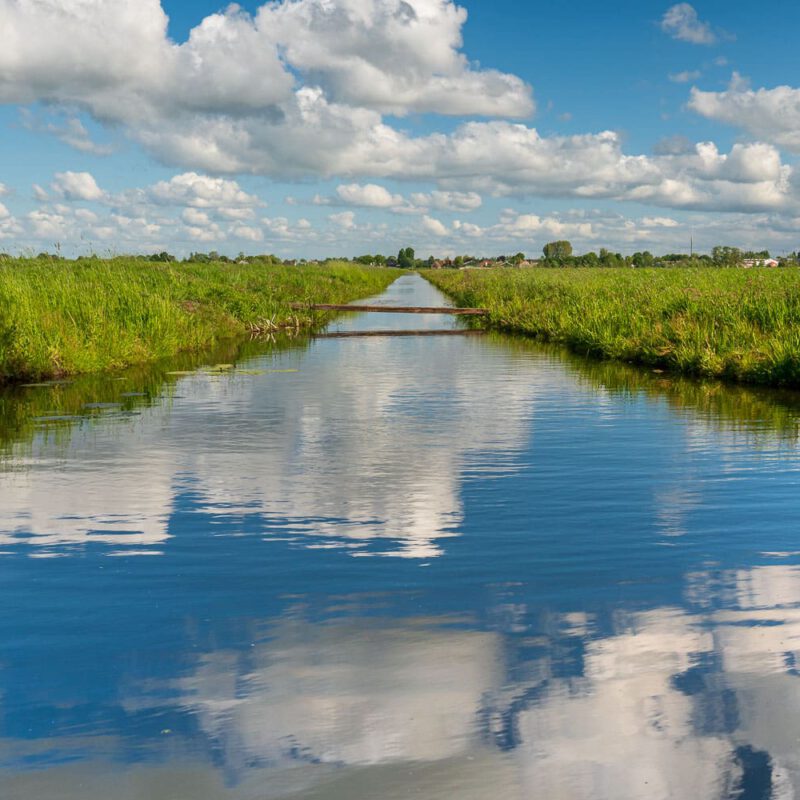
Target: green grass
(59, 318)
(732, 324)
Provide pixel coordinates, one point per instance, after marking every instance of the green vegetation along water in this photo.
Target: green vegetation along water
(733, 324)
(66, 317)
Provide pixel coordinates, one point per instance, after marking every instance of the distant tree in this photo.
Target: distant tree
(458, 261)
(726, 256)
(405, 258)
(163, 256)
(644, 259)
(557, 250)
(756, 254)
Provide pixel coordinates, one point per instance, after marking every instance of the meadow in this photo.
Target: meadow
(67, 317)
(731, 324)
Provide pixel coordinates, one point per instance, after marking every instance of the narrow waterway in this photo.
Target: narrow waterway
(389, 567)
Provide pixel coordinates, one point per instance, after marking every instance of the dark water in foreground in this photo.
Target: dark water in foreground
(389, 568)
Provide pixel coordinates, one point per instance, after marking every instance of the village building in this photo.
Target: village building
(747, 263)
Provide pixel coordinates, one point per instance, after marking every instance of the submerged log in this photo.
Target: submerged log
(392, 309)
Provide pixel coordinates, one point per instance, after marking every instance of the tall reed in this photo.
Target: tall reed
(735, 324)
(59, 317)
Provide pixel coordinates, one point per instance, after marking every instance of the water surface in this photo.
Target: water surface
(456, 567)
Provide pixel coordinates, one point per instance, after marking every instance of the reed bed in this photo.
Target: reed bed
(69, 317)
(731, 324)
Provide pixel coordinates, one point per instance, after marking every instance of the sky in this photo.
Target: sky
(312, 128)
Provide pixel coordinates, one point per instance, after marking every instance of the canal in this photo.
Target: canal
(388, 567)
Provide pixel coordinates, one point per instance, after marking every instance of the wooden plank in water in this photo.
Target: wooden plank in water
(392, 309)
(357, 334)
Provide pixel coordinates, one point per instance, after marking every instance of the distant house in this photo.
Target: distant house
(747, 263)
(391, 261)
(437, 265)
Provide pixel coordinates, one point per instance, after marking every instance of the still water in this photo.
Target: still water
(380, 568)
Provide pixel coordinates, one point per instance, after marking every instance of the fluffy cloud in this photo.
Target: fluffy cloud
(681, 22)
(769, 114)
(115, 58)
(77, 186)
(370, 195)
(434, 226)
(392, 56)
(659, 222)
(47, 225)
(202, 191)
(344, 219)
(247, 232)
(280, 229)
(195, 217)
(448, 201)
(299, 91)
(206, 233)
(147, 226)
(9, 227)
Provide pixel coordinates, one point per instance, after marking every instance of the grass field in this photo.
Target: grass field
(62, 317)
(734, 324)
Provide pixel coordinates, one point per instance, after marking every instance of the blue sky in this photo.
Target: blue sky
(338, 127)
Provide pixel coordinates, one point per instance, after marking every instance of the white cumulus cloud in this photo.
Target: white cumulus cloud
(369, 195)
(346, 220)
(247, 232)
(201, 191)
(448, 201)
(682, 22)
(769, 114)
(115, 58)
(77, 186)
(434, 226)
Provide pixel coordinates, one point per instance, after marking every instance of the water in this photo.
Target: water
(456, 567)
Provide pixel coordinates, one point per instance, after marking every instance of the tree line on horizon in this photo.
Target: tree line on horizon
(560, 254)
(554, 254)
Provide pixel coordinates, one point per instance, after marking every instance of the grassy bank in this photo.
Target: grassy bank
(733, 324)
(59, 317)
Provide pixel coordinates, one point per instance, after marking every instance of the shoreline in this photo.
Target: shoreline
(730, 325)
(65, 318)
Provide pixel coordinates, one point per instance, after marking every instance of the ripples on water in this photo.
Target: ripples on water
(393, 567)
